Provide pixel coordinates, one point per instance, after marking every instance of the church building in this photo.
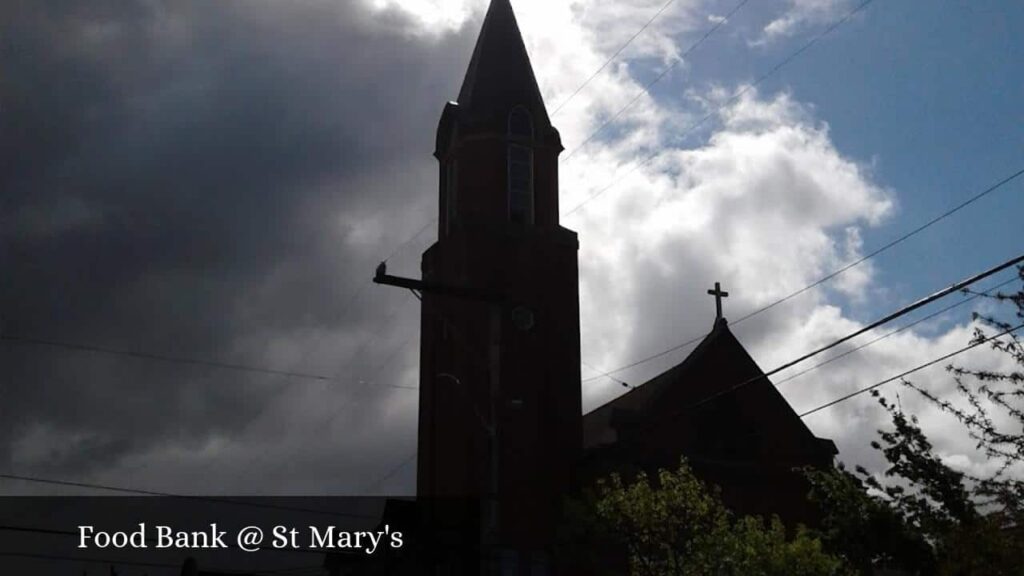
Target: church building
(719, 410)
(500, 416)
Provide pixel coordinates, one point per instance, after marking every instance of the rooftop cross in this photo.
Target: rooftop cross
(718, 294)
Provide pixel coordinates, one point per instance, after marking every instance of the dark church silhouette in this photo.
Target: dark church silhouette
(500, 417)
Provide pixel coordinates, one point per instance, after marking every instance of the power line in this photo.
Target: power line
(899, 240)
(785, 61)
(34, 530)
(646, 89)
(905, 310)
(612, 57)
(259, 456)
(180, 360)
(811, 369)
(832, 274)
(646, 359)
(971, 298)
(403, 245)
(325, 424)
(89, 560)
(911, 371)
(603, 373)
(215, 363)
(119, 563)
(881, 321)
(344, 309)
(142, 492)
(298, 571)
(358, 293)
(390, 473)
(376, 336)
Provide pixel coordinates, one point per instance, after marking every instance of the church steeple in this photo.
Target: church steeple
(497, 148)
(500, 406)
(500, 399)
(500, 75)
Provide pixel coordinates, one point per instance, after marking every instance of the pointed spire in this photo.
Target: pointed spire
(500, 75)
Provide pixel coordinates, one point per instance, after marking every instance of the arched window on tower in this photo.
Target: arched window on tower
(520, 166)
(520, 123)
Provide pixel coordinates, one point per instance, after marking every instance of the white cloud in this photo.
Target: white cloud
(766, 205)
(429, 16)
(799, 15)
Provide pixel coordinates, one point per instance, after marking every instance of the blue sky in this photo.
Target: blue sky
(928, 95)
(933, 93)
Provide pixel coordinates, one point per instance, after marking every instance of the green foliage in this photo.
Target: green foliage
(922, 515)
(865, 530)
(676, 526)
(765, 550)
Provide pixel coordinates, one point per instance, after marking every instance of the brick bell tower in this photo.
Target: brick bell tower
(500, 413)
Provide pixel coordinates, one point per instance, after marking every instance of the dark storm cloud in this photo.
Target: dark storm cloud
(199, 179)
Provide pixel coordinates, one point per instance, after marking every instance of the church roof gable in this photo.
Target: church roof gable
(597, 423)
(718, 363)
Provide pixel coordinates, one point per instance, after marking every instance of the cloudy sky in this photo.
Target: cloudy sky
(217, 181)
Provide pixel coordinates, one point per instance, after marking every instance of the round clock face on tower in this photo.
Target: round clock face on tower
(522, 318)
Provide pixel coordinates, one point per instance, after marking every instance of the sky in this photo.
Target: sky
(218, 180)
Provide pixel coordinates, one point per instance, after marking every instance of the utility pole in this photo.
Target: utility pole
(495, 390)
(490, 422)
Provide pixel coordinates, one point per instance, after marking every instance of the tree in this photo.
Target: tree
(674, 525)
(967, 524)
(864, 529)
